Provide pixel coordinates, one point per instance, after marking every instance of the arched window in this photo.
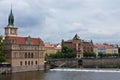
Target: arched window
(31, 62)
(28, 55)
(25, 55)
(36, 62)
(25, 62)
(20, 63)
(31, 55)
(28, 62)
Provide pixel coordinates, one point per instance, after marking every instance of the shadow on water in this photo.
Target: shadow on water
(34, 75)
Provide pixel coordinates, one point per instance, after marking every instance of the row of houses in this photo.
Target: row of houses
(80, 46)
(105, 49)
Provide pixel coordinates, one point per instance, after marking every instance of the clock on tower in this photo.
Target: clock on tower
(11, 30)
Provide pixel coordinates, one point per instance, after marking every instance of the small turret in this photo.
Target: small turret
(76, 37)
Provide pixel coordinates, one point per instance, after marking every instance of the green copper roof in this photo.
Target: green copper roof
(11, 19)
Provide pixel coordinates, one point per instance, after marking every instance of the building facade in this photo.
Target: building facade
(105, 49)
(78, 46)
(51, 48)
(23, 53)
(88, 46)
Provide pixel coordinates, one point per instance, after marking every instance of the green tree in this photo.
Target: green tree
(102, 55)
(66, 49)
(89, 54)
(65, 53)
(46, 57)
(2, 57)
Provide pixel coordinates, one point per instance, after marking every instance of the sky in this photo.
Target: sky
(54, 20)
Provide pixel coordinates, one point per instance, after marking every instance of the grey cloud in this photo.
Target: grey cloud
(54, 20)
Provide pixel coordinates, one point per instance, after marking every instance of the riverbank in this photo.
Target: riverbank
(84, 63)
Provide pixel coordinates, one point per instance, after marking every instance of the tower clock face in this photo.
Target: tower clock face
(13, 31)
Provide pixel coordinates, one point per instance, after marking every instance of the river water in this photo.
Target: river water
(66, 74)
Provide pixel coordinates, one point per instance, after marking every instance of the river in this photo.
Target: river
(66, 74)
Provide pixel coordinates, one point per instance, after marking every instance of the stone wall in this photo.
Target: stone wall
(27, 68)
(106, 62)
(62, 63)
(85, 63)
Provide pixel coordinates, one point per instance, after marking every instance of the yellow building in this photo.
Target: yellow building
(105, 49)
(52, 48)
(23, 53)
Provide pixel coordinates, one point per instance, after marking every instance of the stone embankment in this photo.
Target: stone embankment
(84, 63)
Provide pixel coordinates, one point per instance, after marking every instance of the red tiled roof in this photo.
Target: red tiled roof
(103, 46)
(22, 40)
(48, 45)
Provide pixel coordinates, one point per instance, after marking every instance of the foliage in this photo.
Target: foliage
(66, 50)
(104, 55)
(89, 54)
(2, 57)
(46, 57)
(65, 53)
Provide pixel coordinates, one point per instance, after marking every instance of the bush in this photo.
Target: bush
(2, 59)
(89, 54)
(66, 53)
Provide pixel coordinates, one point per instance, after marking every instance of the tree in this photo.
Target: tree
(102, 55)
(2, 57)
(65, 53)
(89, 54)
(66, 49)
(46, 57)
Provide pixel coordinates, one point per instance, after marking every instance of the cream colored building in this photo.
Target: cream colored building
(23, 53)
(51, 48)
(105, 49)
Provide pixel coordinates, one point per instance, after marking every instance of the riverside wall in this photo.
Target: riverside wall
(101, 62)
(27, 68)
(84, 63)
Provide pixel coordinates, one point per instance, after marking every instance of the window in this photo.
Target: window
(28, 62)
(31, 55)
(20, 63)
(25, 62)
(20, 55)
(28, 55)
(36, 62)
(15, 55)
(31, 62)
(25, 55)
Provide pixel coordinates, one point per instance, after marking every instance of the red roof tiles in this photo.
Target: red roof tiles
(103, 46)
(23, 40)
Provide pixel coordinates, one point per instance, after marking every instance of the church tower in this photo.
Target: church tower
(11, 30)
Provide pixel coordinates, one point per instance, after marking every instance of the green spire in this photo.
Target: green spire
(11, 19)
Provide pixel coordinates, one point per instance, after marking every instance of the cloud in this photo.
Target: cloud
(53, 20)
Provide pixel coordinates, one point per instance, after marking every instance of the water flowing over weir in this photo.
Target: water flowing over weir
(86, 70)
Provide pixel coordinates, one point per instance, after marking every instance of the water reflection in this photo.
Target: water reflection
(36, 75)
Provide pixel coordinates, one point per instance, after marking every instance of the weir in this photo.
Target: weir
(86, 70)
